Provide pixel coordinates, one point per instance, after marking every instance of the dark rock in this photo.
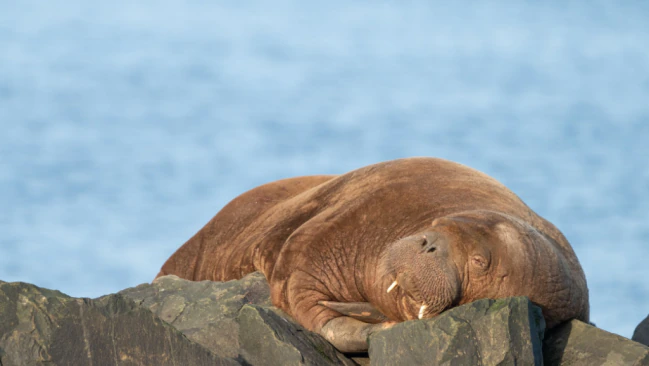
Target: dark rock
(362, 359)
(26, 323)
(40, 326)
(578, 343)
(641, 333)
(235, 319)
(204, 311)
(267, 338)
(485, 332)
(179, 322)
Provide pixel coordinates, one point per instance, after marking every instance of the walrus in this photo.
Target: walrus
(352, 254)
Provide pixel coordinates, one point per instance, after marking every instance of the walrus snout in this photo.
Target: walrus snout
(423, 278)
(428, 243)
(399, 255)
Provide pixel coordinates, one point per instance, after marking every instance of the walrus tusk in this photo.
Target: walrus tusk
(392, 286)
(421, 311)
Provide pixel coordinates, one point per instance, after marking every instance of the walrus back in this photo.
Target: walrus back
(228, 223)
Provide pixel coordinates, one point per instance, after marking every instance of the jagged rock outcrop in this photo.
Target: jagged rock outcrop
(178, 322)
(485, 332)
(267, 338)
(204, 311)
(235, 319)
(45, 327)
(577, 343)
(641, 333)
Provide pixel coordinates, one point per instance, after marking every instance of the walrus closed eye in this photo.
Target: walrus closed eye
(406, 239)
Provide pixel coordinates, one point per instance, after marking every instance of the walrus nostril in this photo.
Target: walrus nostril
(428, 245)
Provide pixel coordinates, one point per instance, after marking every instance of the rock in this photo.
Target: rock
(25, 322)
(204, 311)
(361, 359)
(485, 332)
(39, 326)
(578, 343)
(235, 319)
(641, 333)
(267, 338)
(179, 322)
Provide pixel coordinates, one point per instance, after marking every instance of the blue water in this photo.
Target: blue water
(125, 126)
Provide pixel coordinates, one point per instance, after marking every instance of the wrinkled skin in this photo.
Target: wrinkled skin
(331, 247)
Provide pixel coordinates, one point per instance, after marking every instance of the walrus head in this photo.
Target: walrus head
(481, 254)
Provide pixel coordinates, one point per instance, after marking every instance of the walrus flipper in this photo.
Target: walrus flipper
(363, 311)
(350, 335)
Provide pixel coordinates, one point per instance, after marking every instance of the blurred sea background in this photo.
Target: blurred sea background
(125, 126)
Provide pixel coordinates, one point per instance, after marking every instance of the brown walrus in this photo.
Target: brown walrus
(351, 254)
